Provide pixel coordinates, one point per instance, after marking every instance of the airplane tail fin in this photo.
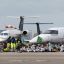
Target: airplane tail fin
(21, 23)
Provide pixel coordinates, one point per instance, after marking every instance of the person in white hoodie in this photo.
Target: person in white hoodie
(49, 47)
(62, 48)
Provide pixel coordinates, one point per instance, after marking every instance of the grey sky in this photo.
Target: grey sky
(48, 10)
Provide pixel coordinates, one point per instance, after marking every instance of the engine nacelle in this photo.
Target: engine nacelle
(25, 32)
(26, 35)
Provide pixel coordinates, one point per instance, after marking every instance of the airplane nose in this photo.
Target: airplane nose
(1, 39)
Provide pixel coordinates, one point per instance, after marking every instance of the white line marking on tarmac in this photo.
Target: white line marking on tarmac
(17, 60)
(41, 60)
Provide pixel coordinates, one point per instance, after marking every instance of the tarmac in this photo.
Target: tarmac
(32, 58)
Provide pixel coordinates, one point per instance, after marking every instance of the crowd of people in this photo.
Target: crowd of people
(15, 45)
(43, 48)
(11, 44)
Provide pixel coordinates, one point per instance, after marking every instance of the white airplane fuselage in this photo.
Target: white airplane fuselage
(4, 35)
(53, 35)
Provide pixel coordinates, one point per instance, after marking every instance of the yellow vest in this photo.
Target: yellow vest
(6, 49)
(13, 45)
(8, 45)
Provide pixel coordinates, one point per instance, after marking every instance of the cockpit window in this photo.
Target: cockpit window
(1, 34)
(4, 34)
(51, 32)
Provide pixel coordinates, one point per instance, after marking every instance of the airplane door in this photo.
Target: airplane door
(54, 36)
(61, 36)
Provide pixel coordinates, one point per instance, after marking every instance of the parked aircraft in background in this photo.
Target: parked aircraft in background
(16, 32)
(4, 35)
(53, 35)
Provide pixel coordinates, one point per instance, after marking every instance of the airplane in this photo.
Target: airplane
(4, 35)
(13, 32)
(52, 35)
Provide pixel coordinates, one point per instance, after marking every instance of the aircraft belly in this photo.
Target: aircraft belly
(54, 39)
(61, 40)
(57, 40)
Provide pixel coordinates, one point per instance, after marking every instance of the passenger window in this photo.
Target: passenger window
(51, 32)
(54, 31)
